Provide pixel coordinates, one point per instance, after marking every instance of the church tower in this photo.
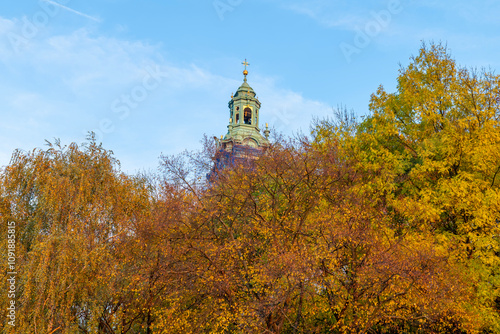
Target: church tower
(243, 139)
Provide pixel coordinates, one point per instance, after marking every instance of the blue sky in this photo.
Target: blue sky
(151, 77)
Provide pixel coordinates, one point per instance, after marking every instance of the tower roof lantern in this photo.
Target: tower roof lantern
(244, 114)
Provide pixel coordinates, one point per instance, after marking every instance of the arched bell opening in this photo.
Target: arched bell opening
(247, 115)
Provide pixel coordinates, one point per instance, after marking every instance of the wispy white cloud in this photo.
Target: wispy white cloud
(466, 26)
(486, 11)
(63, 85)
(287, 111)
(341, 14)
(327, 14)
(6, 25)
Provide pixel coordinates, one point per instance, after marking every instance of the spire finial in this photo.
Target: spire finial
(266, 131)
(245, 72)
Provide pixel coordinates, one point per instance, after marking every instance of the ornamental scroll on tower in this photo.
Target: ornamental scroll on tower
(243, 139)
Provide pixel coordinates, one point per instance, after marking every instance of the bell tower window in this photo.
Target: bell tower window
(237, 118)
(247, 114)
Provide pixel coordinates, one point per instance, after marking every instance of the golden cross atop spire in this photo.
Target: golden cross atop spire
(245, 72)
(245, 63)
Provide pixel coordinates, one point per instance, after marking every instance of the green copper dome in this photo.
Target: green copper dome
(245, 90)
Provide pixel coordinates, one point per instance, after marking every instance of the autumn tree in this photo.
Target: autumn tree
(81, 267)
(288, 244)
(433, 147)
